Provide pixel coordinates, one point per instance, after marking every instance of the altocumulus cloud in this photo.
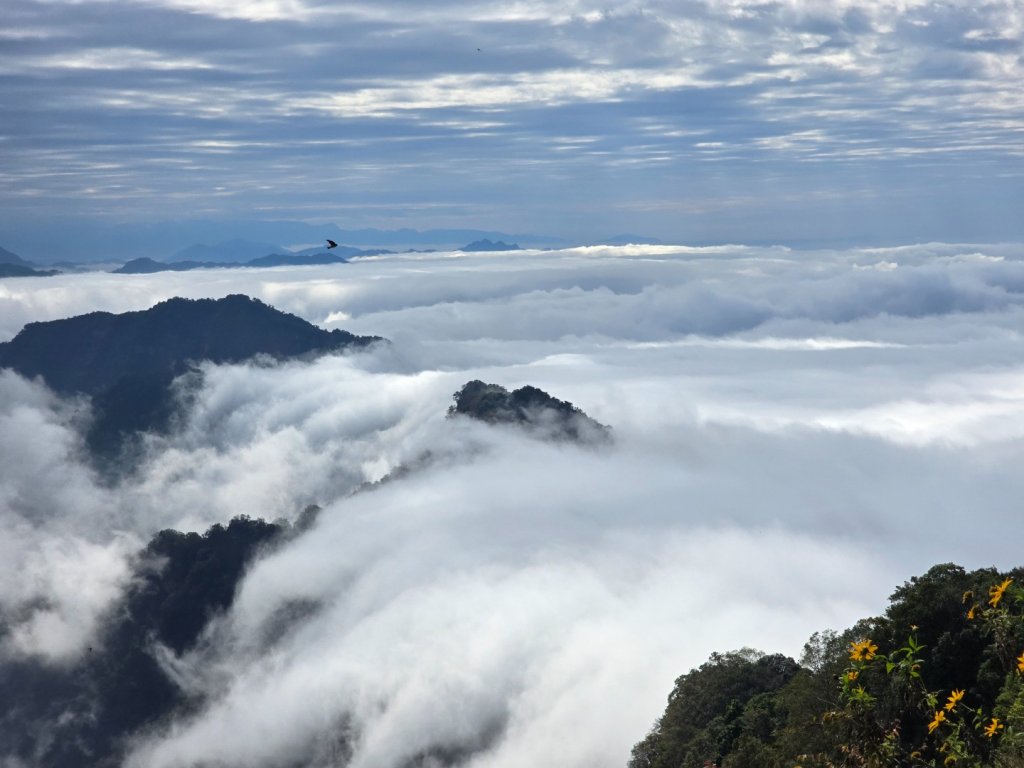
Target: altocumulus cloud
(695, 118)
(795, 434)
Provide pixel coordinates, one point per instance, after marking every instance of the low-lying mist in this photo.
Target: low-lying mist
(795, 434)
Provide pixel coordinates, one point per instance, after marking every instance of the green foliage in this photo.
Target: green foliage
(79, 715)
(127, 362)
(192, 577)
(527, 407)
(935, 681)
(92, 352)
(713, 708)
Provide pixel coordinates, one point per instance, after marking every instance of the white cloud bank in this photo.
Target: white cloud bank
(796, 433)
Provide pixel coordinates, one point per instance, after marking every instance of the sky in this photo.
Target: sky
(695, 121)
(796, 433)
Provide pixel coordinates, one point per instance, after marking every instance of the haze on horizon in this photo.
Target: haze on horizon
(868, 121)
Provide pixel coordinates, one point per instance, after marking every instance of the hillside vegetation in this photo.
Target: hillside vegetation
(127, 362)
(82, 714)
(935, 681)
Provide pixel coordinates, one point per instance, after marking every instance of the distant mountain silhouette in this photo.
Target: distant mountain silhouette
(17, 270)
(530, 408)
(147, 266)
(226, 251)
(127, 362)
(12, 265)
(348, 251)
(7, 257)
(489, 245)
(336, 256)
(339, 255)
(173, 239)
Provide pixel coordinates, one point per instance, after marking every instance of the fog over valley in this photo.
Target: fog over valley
(792, 435)
(542, 384)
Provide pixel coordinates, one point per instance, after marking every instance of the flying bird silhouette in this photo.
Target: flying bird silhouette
(331, 244)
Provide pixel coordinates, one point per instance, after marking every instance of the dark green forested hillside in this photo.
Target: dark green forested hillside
(127, 362)
(80, 715)
(935, 681)
(527, 407)
(92, 352)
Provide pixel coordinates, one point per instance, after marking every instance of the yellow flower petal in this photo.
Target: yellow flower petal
(954, 698)
(939, 718)
(996, 592)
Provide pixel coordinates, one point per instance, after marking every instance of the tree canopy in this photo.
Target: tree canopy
(935, 680)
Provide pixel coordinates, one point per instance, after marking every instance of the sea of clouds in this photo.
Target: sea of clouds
(796, 434)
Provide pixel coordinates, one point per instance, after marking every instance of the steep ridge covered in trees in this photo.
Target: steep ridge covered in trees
(80, 714)
(937, 680)
(127, 362)
(90, 353)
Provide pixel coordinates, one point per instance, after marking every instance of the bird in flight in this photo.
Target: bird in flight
(331, 244)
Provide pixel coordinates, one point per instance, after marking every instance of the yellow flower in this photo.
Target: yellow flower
(852, 674)
(862, 650)
(996, 592)
(993, 728)
(939, 718)
(971, 612)
(1020, 663)
(954, 697)
(967, 596)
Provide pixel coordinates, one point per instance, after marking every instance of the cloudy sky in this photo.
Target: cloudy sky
(796, 434)
(876, 121)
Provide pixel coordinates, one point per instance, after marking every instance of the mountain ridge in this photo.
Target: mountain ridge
(529, 408)
(103, 242)
(88, 353)
(12, 265)
(8, 257)
(126, 363)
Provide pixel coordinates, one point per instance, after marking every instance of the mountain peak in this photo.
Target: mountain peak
(490, 245)
(7, 257)
(127, 362)
(91, 352)
(528, 407)
(231, 250)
